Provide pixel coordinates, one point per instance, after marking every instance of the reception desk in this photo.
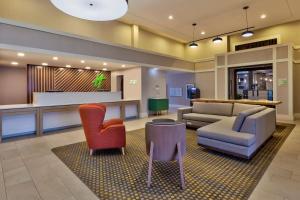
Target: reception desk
(56, 111)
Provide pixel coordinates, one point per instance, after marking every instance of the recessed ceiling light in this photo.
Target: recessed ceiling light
(263, 16)
(68, 66)
(87, 68)
(80, 70)
(55, 58)
(96, 71)
(45, 64)
(82, 61)
(14, 63)
(61, 69)
(171, 17)
(104, 63)
(202, 32)
(20, 54)
(104, 69)
(123, 66)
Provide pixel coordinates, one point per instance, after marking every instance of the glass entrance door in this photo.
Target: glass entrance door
(251, 83)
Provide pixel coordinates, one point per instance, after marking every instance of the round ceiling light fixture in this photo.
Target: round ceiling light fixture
(193, 44)
(247, 33)
(217, 40)
(94, 10)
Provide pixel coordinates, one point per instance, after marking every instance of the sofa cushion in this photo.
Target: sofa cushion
(238, 123)
(224, 109)
(203, 117)
(222, 131)
(240, 107)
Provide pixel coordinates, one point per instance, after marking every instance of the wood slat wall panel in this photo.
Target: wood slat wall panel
(42, 79)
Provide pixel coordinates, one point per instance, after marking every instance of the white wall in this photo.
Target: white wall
(153, 85)
(132, 82)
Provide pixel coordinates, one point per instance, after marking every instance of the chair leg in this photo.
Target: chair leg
(181, 166)
(91, 152)
(150, 164)
(123, 151)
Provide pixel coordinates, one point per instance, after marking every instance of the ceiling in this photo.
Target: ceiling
(8, 56)
(212, 16)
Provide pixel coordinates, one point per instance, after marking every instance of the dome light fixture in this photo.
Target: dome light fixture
(94, 10)
(193, 44)
(247, 33)
(217, 40)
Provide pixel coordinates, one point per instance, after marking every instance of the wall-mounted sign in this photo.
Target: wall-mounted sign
(175, 92)
(282, 82)
(132, 82)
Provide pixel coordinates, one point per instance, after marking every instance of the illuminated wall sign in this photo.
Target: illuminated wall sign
(132, 82)
(282, 82)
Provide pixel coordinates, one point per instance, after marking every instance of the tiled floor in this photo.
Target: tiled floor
(29, 170)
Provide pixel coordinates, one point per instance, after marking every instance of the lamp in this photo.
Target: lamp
(95, 10)
(247, 33)
(193, 44)
(217, 40)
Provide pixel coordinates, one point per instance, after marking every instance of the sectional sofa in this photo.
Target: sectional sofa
(233, 128)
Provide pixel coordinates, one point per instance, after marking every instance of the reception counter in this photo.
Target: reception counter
(67, 98)
(56, 111)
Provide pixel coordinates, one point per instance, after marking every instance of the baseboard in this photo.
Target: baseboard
(286, 118)
(177, 106)
(297, 116)
(143, 115)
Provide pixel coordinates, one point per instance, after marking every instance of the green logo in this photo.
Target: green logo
(97, 83)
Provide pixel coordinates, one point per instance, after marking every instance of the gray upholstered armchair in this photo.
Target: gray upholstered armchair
(166, 141)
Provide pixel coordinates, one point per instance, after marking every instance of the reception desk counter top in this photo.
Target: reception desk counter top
(25, 119)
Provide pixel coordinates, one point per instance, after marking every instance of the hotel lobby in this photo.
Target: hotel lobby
(136, 99)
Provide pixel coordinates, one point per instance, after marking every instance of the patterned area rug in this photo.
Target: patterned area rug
(208, 174)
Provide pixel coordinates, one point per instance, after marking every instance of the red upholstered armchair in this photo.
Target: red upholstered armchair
(101, 134)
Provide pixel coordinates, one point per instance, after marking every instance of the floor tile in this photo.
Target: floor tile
(11, 164)
(23, 191)
(2, 185)
(16, 176)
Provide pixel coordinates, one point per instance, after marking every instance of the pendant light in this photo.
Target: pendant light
(217, 40)
(95, 10)
(247, 33)
(193, 44)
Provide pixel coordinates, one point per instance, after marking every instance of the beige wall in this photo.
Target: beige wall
(206, 50)
(296, 88)
(287, 33)
(205, 81)
(131, 90)
(38, 13)
(44, 14)
(13, 85)
(205, 65)
(156, 43)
